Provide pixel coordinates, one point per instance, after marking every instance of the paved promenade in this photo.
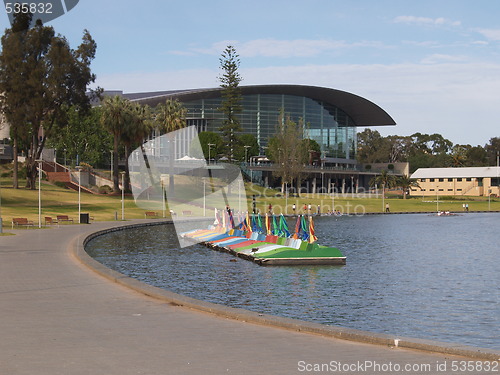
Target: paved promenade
(57, 316)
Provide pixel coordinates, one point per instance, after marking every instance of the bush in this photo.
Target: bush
(60, 184)
(105, 189)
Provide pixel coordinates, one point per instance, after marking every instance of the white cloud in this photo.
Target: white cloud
(426, 21)
(270, 47)
(457, 100)
(442, 58)
(491, 34)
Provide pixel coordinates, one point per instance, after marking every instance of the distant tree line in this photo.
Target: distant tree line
(423, 151)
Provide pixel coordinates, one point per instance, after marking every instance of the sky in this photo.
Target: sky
(434, 66)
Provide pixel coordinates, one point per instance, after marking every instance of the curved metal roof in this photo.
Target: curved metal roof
(362, 111)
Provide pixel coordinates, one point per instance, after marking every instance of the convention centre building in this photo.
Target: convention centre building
(330, 117)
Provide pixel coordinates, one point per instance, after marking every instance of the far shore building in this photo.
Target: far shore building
(331, 117)
(471, 181)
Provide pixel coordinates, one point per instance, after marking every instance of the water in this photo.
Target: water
(409, 275)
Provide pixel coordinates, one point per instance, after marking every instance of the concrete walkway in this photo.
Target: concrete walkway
(57, 316)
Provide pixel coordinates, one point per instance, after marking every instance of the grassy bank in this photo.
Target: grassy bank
(61, 201)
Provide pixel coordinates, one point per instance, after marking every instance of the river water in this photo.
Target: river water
(416, 275)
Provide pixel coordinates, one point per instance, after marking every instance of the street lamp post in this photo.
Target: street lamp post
(437, 199)
(123, 195)
(246, 152)
(163, 198)
(209, 147)
(111, 164)
(79, 169)
(333, 197)
(383, 197)
(204, 197)
(39, 193)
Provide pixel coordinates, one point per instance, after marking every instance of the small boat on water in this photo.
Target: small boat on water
(268, 244)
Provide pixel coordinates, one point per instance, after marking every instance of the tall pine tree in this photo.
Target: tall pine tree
(231, 98)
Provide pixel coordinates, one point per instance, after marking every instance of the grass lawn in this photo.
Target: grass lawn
(60, 201)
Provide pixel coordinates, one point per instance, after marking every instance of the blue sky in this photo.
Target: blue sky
(434, 66)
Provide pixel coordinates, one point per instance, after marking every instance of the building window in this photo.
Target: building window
(441, 189)
(468, 179)
(495, 181)
(431, 189)
(450, 189)
(450, 180)
(459, 180)
(441, 180)
(459, 189)
(431, 179)
(422, 180)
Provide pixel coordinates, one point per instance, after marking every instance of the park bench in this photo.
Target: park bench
(20, 221)
(49, 220)
(187, 212)
(61, 218)
(150, 215)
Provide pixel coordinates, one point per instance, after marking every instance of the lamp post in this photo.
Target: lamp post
(383, 197)
(111, 164)
(162, 197)
(204, 196)
(437, 198)
(209, 147)
(123, 194)
(246, 152)
(489, 200)
(286, 198)
(79, 169)
(39, 193)
(333, 196)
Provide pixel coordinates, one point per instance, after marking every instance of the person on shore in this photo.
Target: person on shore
(270, 209)
(319, 210)
(293, 208)
(387, 208)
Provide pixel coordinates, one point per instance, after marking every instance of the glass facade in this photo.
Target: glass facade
(328, 125)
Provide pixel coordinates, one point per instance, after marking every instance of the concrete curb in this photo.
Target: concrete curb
(77, 248)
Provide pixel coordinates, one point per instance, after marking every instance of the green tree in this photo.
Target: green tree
(384, 179)
(288, 151)
(80, 136)
(493, 150)
(406, 183)
(231, 98)
(139, 126)
(213, 139)
(116, 118)
(171, 116)
(252, 148)
(40, 78)
(476, 156)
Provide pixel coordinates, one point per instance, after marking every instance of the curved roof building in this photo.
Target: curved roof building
(330, 116)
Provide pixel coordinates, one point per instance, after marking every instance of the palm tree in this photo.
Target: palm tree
(116, 117)
(385, 179)
(406, 183)
(137, 129)
(171, 116)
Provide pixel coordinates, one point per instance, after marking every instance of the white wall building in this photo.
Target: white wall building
(474, 181)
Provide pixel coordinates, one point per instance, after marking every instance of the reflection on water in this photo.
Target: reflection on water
(411, 275)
